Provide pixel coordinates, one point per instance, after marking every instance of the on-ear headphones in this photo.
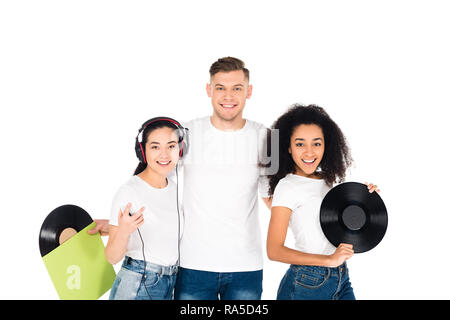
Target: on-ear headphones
(182, 137)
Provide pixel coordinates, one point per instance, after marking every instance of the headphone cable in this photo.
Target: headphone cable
(178, 242)
(178, 210)
(145, 265)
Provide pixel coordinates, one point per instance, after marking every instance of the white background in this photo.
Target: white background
(77, 79)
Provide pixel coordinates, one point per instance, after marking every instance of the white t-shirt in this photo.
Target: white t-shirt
(160, 229)
(220, 198)
(304, 197)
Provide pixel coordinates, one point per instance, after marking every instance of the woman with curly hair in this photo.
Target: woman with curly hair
(313, 155)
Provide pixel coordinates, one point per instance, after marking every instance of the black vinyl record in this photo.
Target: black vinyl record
(351, 214)
(60, 219)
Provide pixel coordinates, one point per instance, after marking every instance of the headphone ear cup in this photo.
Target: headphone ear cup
(183, 143)
(181, 146)
(140, 153)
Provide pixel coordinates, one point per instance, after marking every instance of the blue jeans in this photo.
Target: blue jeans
(129, 284)
(316, 283)
(205, 285)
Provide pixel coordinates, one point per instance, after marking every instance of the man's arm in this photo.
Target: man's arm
(102, 226)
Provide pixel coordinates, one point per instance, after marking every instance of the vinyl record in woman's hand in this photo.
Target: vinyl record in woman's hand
(350, 214)
(60, 224)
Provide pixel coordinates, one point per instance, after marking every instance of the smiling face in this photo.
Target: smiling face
(307, 147)
(228, 92)
(162, 150)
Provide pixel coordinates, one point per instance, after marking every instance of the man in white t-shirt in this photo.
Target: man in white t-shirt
(221, 252)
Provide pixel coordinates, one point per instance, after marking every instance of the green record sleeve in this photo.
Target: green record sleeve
(78, 267)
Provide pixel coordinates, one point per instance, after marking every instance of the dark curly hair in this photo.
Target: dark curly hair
(336, 158)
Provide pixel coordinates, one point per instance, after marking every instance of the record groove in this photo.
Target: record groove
(60, 219)
(351, 214)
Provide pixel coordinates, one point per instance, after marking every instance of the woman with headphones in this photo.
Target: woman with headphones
(150, 250)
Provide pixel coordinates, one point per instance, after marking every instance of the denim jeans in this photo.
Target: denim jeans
(129, 284)
(205, 285)
(316, 283)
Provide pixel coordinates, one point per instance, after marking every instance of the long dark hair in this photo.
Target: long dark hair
(336, 158)
(149, 129)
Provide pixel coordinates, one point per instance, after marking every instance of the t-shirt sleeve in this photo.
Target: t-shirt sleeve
(284, 196)
(122, 197)
(263, 186)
